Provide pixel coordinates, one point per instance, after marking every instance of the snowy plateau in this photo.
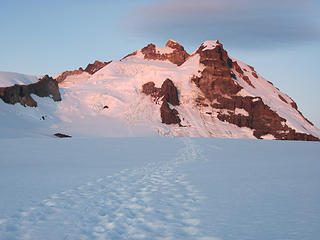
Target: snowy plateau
(159, 188)
(165, 145)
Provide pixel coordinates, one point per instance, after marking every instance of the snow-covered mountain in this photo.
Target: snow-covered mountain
(158, 91)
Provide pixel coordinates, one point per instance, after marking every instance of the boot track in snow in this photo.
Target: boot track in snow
(152, 202)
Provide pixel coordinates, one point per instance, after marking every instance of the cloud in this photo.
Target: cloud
(246, 23)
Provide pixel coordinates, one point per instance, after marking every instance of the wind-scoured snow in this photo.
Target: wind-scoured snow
(158, 188)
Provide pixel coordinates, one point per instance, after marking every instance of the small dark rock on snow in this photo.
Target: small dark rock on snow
(61, 135)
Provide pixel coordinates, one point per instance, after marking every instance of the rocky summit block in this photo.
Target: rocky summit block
(178, 55)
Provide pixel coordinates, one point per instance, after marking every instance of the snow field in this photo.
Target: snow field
(151, 202)
(11, 78)
(159, 188)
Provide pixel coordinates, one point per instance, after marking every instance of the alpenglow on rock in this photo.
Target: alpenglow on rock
(45, 87)
(169, 92)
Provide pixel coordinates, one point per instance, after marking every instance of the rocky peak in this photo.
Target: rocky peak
(149, 51)
(208, 45)
(177, 56)
(216, 78)
(212, 52)
(174, 45)
(217, 83)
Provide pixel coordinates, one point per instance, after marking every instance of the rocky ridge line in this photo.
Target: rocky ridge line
(217, 83)
(178, 55)
(45, 87)
(90, 69)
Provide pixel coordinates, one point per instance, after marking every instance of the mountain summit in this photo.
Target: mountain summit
(166, 91)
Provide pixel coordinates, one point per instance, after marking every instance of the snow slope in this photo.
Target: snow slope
(158, 188)
(110, 103)
(270, 96)
(10, 78)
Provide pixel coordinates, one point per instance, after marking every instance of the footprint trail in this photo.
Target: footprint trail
(152, 202)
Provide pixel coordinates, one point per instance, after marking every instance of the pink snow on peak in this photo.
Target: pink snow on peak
(210, 44)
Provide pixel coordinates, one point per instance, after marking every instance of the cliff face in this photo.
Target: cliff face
(225, 84)
(168, 94)
(45, 87)
(218, 82)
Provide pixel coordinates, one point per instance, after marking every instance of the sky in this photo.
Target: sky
(281, 39)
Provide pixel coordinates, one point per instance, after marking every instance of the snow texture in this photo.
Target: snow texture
(125, 189)
(10, 78)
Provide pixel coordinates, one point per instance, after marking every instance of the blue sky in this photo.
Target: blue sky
(281, 40)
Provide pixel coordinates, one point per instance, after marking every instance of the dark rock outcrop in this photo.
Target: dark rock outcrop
(168, 115)
(45, 87)
(216, 78)
(91, 69)
(282, 98)
(169, 94)
(150, 89)
(238, 69)
(168, 90)
(255, 74)
(178, 55)
(217, 84)
(95, 67)
(61, 135)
